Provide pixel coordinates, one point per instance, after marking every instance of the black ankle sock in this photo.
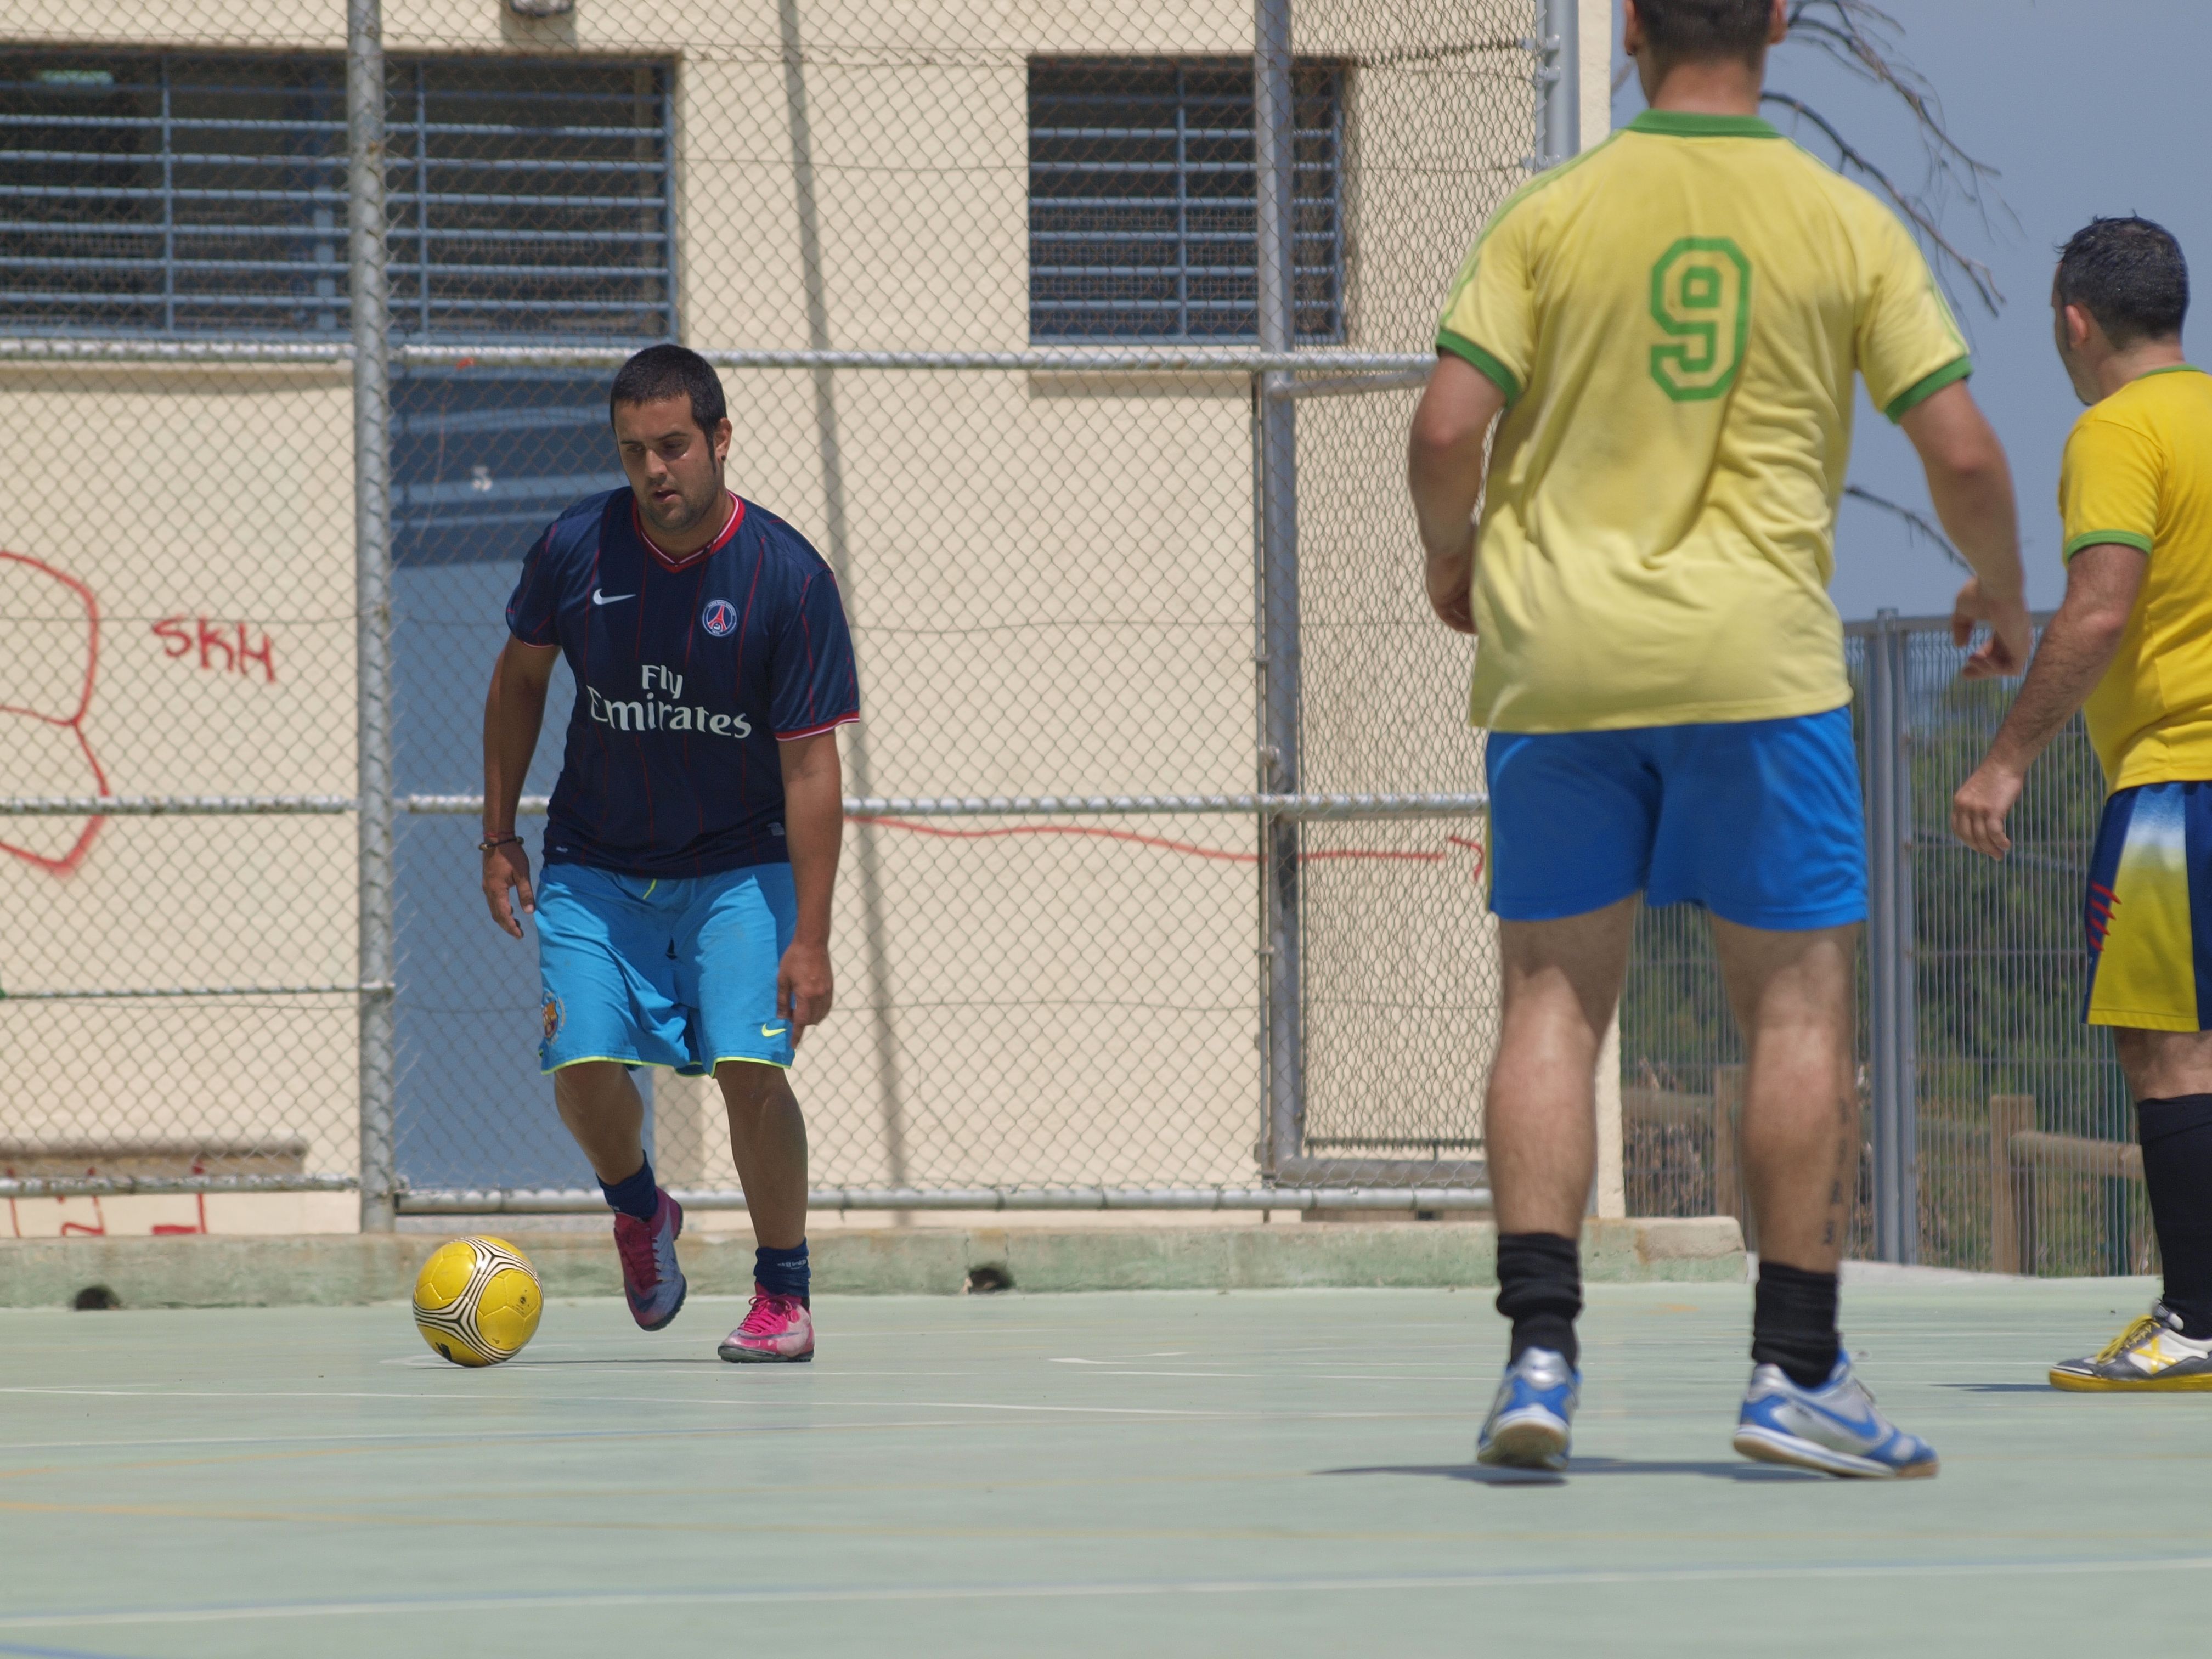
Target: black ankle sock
(1540, 1289)
(784, 1273)
(634, 1195)
(1793, 1323)
(2177, 1156)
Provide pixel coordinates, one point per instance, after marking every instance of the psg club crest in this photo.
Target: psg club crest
(718, 618)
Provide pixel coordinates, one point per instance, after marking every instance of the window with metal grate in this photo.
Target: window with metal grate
(173, 194)
(1141, 200)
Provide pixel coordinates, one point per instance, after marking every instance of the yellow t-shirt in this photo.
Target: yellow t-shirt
(1674, 318)
(2138, 471)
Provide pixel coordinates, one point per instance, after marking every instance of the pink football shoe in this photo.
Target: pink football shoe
(778, 1331)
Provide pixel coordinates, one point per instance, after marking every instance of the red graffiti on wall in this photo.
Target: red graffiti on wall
(59, 725)
(227, 641)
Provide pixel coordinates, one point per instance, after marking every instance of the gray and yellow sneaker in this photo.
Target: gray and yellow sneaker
(2150, 1356)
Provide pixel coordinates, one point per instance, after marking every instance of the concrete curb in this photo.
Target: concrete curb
(343, 1270)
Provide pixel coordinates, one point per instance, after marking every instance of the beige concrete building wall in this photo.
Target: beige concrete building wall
(176, 617)
(1050, 579)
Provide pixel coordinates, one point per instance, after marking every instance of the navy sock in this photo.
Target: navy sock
(1540, 1289)
(635, 1195)
(1793, 1323)
(781, 1273)
(2176, 1159)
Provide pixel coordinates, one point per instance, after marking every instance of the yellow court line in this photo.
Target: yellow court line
(582, 1437)
(786, 1527)
(1550, 1580)
(810, 1403)
(551, 1438)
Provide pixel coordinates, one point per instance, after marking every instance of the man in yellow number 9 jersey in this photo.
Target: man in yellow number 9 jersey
(1670, 326)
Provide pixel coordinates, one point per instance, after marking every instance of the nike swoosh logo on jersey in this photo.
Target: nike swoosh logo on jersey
(774, 1030)
(599, 598)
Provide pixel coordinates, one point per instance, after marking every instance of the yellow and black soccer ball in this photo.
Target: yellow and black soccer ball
(478, 1301)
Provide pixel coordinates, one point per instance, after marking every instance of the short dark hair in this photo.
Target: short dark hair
(672, 371)
(1695, 30)
(2128, 274)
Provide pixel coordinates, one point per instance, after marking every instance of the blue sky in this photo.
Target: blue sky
(2085, 106)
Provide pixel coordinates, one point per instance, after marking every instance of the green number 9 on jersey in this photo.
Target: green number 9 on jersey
(1701, 296)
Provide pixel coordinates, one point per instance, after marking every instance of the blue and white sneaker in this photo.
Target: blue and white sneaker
(1833, 1428)
(1531, 1420)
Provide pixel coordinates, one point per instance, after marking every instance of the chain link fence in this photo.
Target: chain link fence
(1081, 342)
(1997, 1129)
(177, 621)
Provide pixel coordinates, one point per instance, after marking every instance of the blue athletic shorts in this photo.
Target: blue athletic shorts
(1757, 821)
(654, 972)
(2148, 911)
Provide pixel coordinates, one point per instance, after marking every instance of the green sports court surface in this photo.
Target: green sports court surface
(1265, 1473)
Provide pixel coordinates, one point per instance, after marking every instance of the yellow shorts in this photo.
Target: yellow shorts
(2149, 909)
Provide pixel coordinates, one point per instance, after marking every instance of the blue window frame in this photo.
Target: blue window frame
(176, 194)
(1141, 200)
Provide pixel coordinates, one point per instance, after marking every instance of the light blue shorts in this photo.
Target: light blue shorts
(1757, 821)
(654, 972)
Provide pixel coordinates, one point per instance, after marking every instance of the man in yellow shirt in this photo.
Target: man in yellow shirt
(1670, 326)
(2131, 647)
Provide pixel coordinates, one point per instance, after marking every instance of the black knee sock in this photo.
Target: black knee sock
(2177, 1156)
(1793, 1323)
(1540, 1289)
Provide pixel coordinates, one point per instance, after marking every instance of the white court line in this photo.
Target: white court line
(226, 1393)
(817, 1595)
(813, 1405)
(815, 1418)
(1108, 1411)
(700, 1364)
(430, 1439)
(1106, 1368)
(19, 1447)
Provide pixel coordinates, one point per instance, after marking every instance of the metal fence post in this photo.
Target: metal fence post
(828, 443)
(1889, 948)
(1904, 1017)
(372, 432)
(1274, 140)
(1558, 83)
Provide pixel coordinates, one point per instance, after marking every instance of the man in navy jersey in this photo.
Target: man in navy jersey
(691, 844)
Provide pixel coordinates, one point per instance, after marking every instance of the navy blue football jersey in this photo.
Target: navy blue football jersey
(688, 675)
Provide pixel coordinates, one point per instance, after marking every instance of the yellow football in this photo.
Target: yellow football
(477, 1301)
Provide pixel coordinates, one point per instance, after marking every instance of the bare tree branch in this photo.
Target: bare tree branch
(1866, 41)
(1916, 525)
(1863, 39)
(1917, 211)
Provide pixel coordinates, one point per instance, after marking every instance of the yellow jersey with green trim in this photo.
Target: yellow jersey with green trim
(2138, 472)
(1675, 318)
